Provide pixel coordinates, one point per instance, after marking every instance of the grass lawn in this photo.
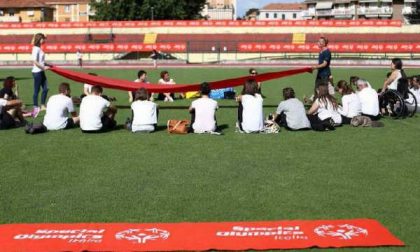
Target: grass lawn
(123, 177)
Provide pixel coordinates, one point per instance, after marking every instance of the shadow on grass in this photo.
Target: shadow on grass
(187, 106)
(17, 79)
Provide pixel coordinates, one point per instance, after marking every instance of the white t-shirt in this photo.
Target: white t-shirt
(327, 110)
(79, 55)
(416, 94)
(394, 83)
(205, 110)
(88, 87)
(91, 112)
(3, 103)
(145, 116)
(295, 114)
(369, 101)
(252, 114)
(39, 56)
(163, 82)
(351, 106)
(58, 108)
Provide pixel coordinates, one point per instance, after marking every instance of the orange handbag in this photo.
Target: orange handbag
(178, 126)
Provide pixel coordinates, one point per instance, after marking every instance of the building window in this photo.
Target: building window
(283, 16)
(30, 12)
(67, 8)
(275, 15)
(267, 15)
(294, 15)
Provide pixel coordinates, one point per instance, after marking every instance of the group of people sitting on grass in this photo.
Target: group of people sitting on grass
(360, 105)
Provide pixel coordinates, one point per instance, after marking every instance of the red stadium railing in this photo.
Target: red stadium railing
(265, 47)
(335, 47)
(202, 23)
(96, 48)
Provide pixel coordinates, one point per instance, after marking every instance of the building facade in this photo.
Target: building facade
(220, 10)
(360, 9)
(70, 11)
(282, 12)
(44, 10)
(25, 11)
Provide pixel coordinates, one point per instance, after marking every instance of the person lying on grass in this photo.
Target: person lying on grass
(96, 113)
(203, 112)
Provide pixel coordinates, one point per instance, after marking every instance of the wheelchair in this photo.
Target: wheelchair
(400, 103)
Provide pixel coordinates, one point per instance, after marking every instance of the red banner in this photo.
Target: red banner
(195, 236)
(334, 47)
(201, 23)
(96, 48)
(107, 82)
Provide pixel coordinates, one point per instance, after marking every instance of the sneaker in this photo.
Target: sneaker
(28, 128)
(35, 112)
(43, 108)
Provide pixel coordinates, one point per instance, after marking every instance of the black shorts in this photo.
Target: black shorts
(6, 121)
(107, 125)
(70, 124)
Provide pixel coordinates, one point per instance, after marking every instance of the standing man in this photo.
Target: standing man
(324, 59)
(79, 56)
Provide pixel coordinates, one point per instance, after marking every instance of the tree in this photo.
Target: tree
(251, 12)
(143, 9)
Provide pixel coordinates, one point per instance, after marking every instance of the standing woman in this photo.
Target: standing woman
(38, 72)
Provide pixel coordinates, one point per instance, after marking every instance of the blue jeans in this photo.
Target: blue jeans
(40, 80)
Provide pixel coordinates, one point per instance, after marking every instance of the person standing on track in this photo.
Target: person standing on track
(324, 60)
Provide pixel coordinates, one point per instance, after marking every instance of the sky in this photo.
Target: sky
(244, 5)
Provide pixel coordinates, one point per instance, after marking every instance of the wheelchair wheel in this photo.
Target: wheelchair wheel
(411, 104)
(395, 104)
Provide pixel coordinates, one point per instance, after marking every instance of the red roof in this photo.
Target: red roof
(285, 6)
(65, 1)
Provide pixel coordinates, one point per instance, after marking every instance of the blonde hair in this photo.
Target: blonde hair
(36, 40)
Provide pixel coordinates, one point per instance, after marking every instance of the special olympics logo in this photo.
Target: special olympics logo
(142, 235)
(343, 232)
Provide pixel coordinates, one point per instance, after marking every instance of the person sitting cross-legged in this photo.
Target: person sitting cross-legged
(59, 106)
(250, 109)
(203, 112)
(10, 114)
(323, 113)
(96, 113)
(145, 112)
(291, 113)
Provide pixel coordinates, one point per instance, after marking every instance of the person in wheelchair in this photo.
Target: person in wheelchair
(397, 73)
(400, 102)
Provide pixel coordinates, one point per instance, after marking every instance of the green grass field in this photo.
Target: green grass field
(123, 177)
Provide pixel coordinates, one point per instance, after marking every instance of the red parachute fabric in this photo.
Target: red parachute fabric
(107, 82)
